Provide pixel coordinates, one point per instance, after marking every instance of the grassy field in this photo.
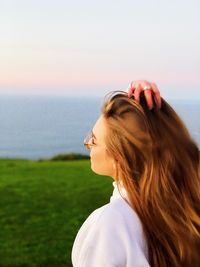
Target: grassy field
(42, 206)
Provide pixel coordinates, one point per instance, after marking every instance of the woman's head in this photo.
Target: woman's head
(153, 155)
(111, 133)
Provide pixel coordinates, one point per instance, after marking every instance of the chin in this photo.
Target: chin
(93, 169)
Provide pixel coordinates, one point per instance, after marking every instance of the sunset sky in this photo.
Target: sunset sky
(92, 47)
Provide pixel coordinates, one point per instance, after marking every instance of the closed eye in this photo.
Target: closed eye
(93, 141)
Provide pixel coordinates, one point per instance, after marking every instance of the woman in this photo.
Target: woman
(153, 217)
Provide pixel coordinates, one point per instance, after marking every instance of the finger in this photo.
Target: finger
(133, 86)
(130, 89)
(137, 92)
(147, 93)
(156, 94)
(148, 97)
(144, 84)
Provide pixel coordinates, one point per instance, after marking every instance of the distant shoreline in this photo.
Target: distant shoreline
(58, 157)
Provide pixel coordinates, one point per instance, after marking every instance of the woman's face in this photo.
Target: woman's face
(101, 162)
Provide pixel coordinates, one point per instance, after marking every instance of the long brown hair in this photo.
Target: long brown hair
(158, 164)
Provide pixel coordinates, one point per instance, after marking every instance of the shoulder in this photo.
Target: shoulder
(104, 217)
(118, 218)
(119, 221)
(118, 226)
(112, 233)
(120, 211)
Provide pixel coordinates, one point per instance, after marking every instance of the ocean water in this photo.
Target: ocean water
(36, 127)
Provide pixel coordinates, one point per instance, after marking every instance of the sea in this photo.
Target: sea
(39, 127)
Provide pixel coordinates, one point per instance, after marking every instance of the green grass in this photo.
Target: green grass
(42, 206)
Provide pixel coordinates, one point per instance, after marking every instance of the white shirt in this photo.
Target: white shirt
(112, 236)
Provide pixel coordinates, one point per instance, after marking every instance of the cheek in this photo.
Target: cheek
(101, 163)
(96, 154)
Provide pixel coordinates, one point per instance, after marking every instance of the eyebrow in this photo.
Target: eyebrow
(93, 135)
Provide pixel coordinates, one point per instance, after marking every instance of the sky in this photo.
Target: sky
(88, 48)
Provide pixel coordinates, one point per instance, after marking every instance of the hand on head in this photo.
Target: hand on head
(150, 89)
